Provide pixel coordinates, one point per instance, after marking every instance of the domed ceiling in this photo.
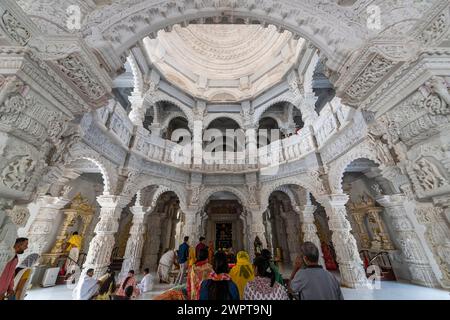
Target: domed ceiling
(223, 63)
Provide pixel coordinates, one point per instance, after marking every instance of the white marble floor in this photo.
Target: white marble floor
(388, 291)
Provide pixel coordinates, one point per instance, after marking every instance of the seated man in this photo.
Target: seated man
(87, 287)
(311, 281)
(167, 261)
(146, 283)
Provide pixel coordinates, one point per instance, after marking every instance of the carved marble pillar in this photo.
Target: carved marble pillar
(293, 239)
(135, 243)
(362, 230)
(100, 249)
(408, 241)
(251, 146)
(308, 109)
(191, 227)
(309, 229)
(137, 114)
(257, 230)
(350, 264)
(154, 240)
(374, 215)
(43, 226)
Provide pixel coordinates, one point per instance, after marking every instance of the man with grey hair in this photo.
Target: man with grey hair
(310, 281)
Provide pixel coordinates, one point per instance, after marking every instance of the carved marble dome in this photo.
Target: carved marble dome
(224, 62)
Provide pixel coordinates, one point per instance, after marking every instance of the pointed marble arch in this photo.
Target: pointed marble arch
(334, 29)
(208, 192)
(337, 168)
(304, 181)
(137, 181)
(153, 98)
(210, 117)
(107, 169)
(173, 115)
(292, 197)
(287, 97)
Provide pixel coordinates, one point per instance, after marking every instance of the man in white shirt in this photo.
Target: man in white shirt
(87, 287)
(146, 283)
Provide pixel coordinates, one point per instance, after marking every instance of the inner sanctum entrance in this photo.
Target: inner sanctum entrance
(223, 223)
(224, 235)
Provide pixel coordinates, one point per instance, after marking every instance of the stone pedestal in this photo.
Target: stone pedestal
(408, 241)
(350, 264)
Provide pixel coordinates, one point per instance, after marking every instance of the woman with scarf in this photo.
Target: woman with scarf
(197, 273)
(129, 281)
(219, 285)
(264, 286)
(242, 272)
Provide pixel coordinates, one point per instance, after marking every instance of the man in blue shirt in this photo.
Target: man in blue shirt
(183, 256)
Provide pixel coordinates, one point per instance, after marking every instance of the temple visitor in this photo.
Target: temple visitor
(8, 274)
(73, 252)
(128, 294)
(242, 272)
(146, 283)
(129, 281)
(197, 273)
(264, 286)
(87, 286)
(200, 245)
(166, 263)
(219, 285)
(107, 286)
(268, 256)
(183, 255)
(310, 281)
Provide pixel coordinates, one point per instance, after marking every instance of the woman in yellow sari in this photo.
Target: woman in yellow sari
(243, 272)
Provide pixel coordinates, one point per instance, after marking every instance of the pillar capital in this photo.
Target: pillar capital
(395, 200)
(338, 199)
(52, 202)
(112, 201)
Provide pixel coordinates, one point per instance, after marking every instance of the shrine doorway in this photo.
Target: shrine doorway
(223, 222)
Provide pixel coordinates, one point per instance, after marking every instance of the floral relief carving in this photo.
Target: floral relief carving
(427, 176)
(76, 71)
(18, 172)
(15, 29)
(372, 75)
(19, 215)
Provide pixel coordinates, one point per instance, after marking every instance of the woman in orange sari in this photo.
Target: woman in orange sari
(197, 273)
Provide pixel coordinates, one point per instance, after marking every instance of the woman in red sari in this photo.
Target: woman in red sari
(197, 273)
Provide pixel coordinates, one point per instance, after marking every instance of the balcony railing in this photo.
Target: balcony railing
(153, 148)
